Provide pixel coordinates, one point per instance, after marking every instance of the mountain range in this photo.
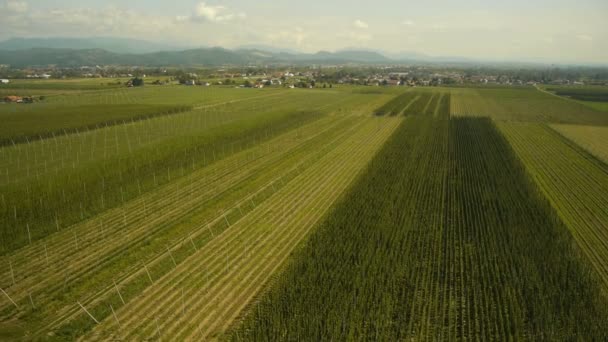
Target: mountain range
(76, 52)
(116, 45)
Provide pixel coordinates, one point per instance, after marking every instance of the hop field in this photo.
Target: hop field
(351, 213)
(444, 237)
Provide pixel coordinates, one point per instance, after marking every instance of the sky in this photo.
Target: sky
(554, 31)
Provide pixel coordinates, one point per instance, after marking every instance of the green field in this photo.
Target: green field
(595, 97)
(434, 243)
(346, 213)
(525, 105)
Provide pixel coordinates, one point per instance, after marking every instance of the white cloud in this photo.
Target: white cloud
(292, 37)
(584, 37)
(409, 23)
(361, 24)
(204, 12)
(16, 6)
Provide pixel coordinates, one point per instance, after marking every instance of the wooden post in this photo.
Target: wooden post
(75, 239)
(32, 301)
(46, 255)
(114, 314)
(29, 235)
(200, 332)
(148, 272)
(10, 264)
(193, 245)
(9, 298)
(210, 231)
(171, 255)
(119, 295)
(226, 218)
(158, 329)
(88, 313)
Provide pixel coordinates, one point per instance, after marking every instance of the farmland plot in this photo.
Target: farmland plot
(575, 183)
(594, 139)
(202, 296)
(524, 105)
(71, 178)
(444, 237)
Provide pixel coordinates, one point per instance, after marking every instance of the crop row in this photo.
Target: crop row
(445, 237)
(35, 207)
(132, 286)
(50, 121)
(41, 159)
(575, 183)
(416, 103)
(397, 104)
(86, 256)
(593, 139)
(205, 293)
(524, 105)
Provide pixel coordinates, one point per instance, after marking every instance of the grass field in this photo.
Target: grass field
(352, 213)
(594, 139)
(523, 105)
(595, 97)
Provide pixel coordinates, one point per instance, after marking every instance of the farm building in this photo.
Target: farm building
(18, 99)
(13, 99)
(4, 81)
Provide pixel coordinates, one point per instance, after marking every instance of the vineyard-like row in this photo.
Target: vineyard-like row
(79, 263)
(202, 295)
(444, 237)
(575, 183)
(428, 103)
(50, 184)
(398, 104)
(62, 114)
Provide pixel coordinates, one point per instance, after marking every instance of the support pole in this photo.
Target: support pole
(9, 298)
(88, 313)
(119, 295)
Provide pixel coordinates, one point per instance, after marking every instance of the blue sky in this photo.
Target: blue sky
(548, 31)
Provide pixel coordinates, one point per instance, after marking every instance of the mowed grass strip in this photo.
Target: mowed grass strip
(525, 104)
(575, 183)
(443, 237)
(221, 280)
(593, 139)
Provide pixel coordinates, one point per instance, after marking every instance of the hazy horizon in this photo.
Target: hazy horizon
(543, 31)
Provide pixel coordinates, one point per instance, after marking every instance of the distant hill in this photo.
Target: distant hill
(195, 57)
(351, 55)
(268, 48)
(116, 45)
